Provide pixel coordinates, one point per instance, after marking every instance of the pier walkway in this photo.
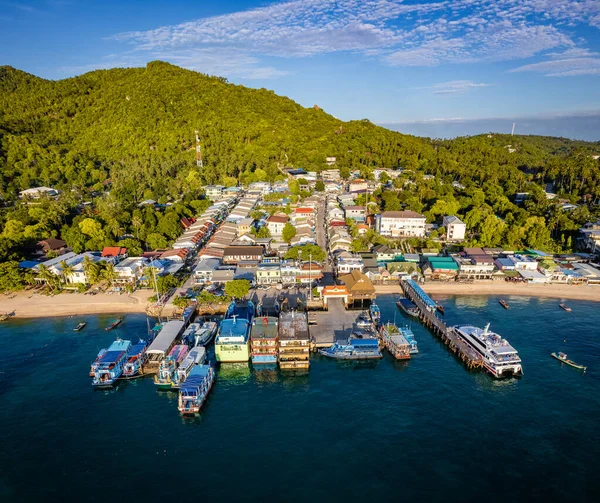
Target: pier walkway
(427, 314)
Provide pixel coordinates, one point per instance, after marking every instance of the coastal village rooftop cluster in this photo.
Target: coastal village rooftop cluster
(223, 243)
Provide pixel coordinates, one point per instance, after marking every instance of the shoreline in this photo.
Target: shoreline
(553, 291)
(33, 305)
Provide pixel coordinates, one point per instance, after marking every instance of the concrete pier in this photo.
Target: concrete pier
(428, 315)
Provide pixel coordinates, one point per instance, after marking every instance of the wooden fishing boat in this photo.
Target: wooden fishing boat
(562, 357)
(503, 303)
(80, 326)
(4, 317)
(565, 307)
(440, 308)
(114, 324)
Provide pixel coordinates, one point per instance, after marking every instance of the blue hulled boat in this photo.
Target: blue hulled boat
(111, 364)
(195, 389)
(408, 307)
(135, 359)
(353, 349)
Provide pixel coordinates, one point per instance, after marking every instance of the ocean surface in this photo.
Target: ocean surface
(423, 430)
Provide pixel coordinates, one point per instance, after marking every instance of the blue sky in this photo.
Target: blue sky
(387, 60)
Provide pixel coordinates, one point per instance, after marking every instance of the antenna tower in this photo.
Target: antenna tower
(198, 152)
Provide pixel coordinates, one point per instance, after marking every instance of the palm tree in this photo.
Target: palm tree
(91, 270)
(67, 271)
(137, 223)
(47, 276)
(109, 274)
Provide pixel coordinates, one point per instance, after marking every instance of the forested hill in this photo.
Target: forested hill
(82, 130)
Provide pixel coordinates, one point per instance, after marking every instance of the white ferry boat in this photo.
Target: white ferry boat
(499, 357)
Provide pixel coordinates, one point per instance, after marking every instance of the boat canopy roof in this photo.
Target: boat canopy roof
(137, 348)
(119, 345)
(364, 342)
(111, 357)
(166, 336)
(407, 303)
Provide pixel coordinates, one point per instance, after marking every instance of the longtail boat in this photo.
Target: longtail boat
(562, 357)
(114, 324)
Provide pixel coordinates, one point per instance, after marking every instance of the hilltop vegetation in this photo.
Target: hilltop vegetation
(117, 137)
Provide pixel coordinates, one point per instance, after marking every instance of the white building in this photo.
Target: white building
(214, 191)
(400, 224)
(203, 272)
(455, 229)
(37, 192)
(591, 236)
(275, 224)
(131, 269)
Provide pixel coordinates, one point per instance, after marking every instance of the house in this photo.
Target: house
(131, 269)
(37, 192)
(244, 226)
(330, 175)
(455, 229)
(355, 212)
(331, 161)
(52, 246)
(268, 274)
(276, 223)
(590, 233)
(309, 273)
(358, 185)
(524, 263)
(178, 255)
(236, 254)
(400, 224)
(504, 264)
(384, 253)
(114, 254)
(289, 272)
(346, 265)
(333, 212)
(214, 192)
(474, 266)
(203, 271)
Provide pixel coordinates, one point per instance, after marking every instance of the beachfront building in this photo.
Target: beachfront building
(455, 229)
(114, 254)
(52, 246)
(131, 270)
(440, 269)
(400, 224)
(359, 287)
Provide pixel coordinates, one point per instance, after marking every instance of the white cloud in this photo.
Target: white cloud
(564, 67)
(456, 87)
(396, 32)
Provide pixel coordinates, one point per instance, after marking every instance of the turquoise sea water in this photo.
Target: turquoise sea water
(423, 430)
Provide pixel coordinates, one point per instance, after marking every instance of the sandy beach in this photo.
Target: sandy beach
(33, 305)
(577, 292)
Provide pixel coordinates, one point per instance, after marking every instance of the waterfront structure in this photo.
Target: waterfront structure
(264, 340)
(440, 268)
(232, 342)
(131, 269)
(499, 357)
(359, 287)
(455, 228)
(294, 342)
(400, 224)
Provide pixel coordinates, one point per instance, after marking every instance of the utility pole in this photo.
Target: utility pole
(198, 152)
(310, 276)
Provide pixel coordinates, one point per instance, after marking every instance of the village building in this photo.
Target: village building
(400, 224)
(455, 228)
(276, 223)
(236, 254)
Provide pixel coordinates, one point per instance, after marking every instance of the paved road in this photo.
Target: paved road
(322, 242)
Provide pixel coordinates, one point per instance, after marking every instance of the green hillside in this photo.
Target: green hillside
(117, 137)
